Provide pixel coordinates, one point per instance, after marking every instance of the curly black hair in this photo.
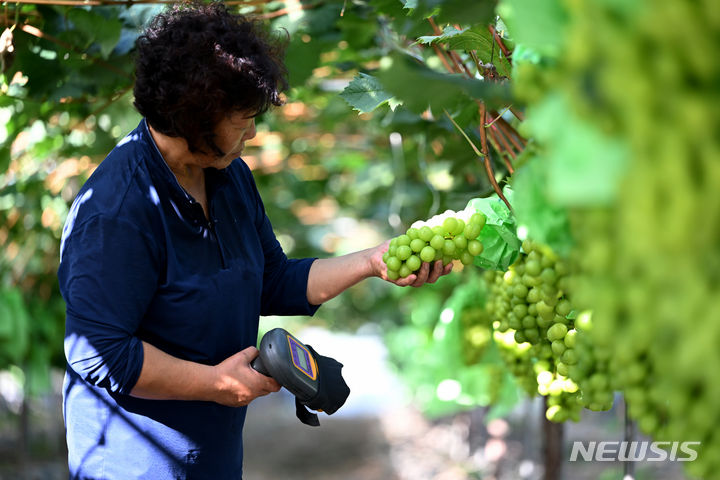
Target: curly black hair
(199, 62)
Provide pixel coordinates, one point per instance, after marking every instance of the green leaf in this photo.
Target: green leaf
(476, 38)
(97, 29)
(420, 87)
(448, 32)
(365, 93)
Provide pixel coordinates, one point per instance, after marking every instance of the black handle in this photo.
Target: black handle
(259, 366)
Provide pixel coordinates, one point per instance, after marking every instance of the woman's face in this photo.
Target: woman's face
(231, 133)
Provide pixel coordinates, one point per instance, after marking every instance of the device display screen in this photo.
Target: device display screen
(301, 358)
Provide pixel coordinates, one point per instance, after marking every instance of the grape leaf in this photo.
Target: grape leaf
(365, 93)
(420, 87)
(448, 32)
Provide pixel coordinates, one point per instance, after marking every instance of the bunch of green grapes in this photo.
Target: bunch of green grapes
(530, 297)
(447, 237)
(534, 327)
(591, 369)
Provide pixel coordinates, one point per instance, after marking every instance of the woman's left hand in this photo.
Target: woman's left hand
(428, 273)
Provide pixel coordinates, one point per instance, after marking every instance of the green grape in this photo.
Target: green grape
(466, 258)
(548, 276)
(520, 290)
(427, 254)
(460, 242)
(558, 347)
(393, 264)
(426, 233)
(533, 295)
(478, 219)
(403, 252)
(449, 247)
(544, 310)
(417, 245)
(563, 308)
(569, 357)
(475, 247)
(450, 224)
(520, 310)
(402, 240)
(459, 227)
(531, 335)
(533, 268)
(570, 338)
(412, 233)
(413, 263)
(404, 271)
(393, 275)
(385, 257)
(471, 231)
(437, 242)
(557, 332)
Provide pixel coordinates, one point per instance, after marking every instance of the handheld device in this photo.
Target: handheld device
(315, 380)
(287, 360)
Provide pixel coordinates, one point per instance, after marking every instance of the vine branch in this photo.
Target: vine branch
(500, 43)
(486, 154)
(493, 137)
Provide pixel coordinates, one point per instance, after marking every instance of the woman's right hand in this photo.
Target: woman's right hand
(238, 383)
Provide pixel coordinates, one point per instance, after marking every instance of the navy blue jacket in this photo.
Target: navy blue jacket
(140, 262)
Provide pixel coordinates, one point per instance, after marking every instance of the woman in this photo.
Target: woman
(168, 260)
